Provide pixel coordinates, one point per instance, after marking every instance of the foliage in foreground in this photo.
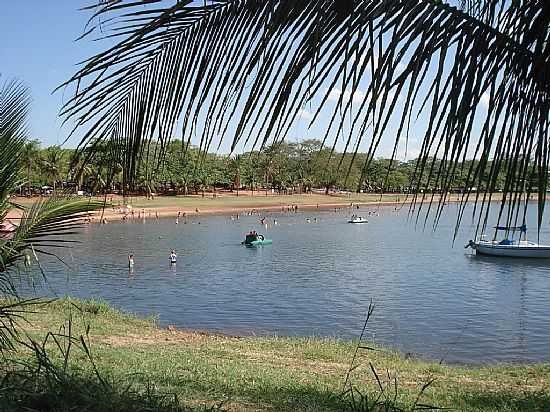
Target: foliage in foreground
(49, 379)
(46, 223)
(268, 373)
(41, 384)
(44, 386)
(467, 79)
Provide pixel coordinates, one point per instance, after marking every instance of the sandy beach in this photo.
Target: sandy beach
(117, 208)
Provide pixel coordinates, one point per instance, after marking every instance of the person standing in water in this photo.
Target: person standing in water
(130, 261)
(173, 257)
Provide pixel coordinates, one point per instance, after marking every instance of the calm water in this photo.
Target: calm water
(318, 279)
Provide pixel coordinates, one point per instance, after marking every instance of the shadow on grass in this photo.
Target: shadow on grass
(504, 401)
(270, 397)
(47, 380)
(72, 390)
(78, 393)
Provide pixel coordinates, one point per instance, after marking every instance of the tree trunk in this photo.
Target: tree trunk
(28, 180)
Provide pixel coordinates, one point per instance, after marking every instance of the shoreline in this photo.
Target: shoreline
(192, 206)
(279, 373)
(165, 212)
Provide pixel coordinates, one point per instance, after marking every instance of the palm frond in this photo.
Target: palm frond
(243, 70)
(14, 107)
(13, 312)
(48, 223)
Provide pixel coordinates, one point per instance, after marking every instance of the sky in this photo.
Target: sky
(40, 50)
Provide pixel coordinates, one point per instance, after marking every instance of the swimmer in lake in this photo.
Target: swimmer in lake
(173, 257)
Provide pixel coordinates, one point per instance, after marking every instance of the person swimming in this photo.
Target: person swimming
(173, 257)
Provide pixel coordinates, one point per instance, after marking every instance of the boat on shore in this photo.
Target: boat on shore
(357, 219)
(254, 239)
(520, 248)
(7, 229)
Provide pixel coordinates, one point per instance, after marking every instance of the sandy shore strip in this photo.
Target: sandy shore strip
(118, 208)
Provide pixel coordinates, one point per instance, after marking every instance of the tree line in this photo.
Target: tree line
(286, 168)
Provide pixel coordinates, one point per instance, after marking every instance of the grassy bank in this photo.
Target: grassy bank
(276, 374)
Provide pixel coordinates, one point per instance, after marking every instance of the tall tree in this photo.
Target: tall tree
(54, 164)
(235, 172)
(31, 160)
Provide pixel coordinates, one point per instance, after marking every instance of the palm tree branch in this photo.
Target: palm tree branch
(173, 65)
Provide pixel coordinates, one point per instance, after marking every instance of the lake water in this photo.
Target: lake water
(432, 299)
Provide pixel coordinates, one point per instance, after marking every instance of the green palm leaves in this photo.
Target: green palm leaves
(14, 106)
(47, 222)
(38, 226)
(467, 82)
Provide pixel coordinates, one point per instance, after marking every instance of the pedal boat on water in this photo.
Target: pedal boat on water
(357, 219)
(521, 248)
(253, 239)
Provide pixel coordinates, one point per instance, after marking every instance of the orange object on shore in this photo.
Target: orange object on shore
(6, 229)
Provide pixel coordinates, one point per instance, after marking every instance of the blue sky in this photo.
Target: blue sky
(40, 49)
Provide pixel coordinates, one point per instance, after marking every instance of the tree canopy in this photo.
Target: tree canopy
(286, 168)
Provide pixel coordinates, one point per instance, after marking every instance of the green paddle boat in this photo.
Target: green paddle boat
(253, 239)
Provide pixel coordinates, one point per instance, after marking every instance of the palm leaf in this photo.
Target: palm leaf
(14, 106)
(50, 222)
(46, 223)
(243, 69)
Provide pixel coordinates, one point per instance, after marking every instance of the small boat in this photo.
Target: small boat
(358, 219)
(521, 248)
(256, 240)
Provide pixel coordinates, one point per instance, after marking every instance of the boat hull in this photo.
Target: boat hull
(259, 242)
(521, 251)
(358, 221)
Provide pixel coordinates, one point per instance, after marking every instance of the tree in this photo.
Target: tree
(54, 165)
(235, 172)
(383, 60)
(30, 158)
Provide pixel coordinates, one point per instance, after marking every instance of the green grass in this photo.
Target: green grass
(276, 374)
